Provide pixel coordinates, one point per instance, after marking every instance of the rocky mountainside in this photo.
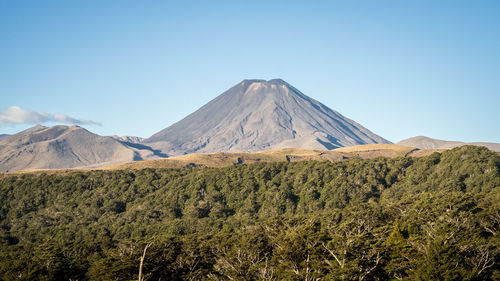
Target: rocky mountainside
(258, 115)
(423, 142)
(64, 147)
(128, 139)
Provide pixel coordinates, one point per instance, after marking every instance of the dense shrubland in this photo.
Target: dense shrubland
(430, 218)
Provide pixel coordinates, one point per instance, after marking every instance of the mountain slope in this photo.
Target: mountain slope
(63, 147)
(423, 142)
(128, 139)
(256, 115)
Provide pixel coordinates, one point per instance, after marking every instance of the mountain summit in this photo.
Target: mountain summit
(257, 115)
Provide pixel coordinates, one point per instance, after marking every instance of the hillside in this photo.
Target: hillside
(222, 159)
(429, 218)
(423, 142)
(64, 147)
(257, 115)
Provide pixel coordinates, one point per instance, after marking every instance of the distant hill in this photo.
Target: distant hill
(423, 142)
(64, 147)
(128, 139)
(257, 115)
(2, 136)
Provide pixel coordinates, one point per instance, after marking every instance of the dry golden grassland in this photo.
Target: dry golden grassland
(221, 159)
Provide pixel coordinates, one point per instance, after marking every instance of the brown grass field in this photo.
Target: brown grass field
(222, 159)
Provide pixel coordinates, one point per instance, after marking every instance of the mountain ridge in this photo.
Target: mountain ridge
(254, 115)
(424, 142)
(60, 146)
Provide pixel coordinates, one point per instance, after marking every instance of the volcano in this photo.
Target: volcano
(258, 115)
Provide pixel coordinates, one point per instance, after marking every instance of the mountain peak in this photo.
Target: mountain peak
(424, 142)
(275, 81)
(35, 128)
(273, 89)
(250, 81)
(256, 115)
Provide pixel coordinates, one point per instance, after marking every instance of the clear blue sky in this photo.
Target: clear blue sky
(400, 68)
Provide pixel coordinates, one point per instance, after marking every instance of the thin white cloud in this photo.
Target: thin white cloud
(18, 115)
(63, 118)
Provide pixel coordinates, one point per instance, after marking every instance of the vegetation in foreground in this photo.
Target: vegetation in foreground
(430, 218)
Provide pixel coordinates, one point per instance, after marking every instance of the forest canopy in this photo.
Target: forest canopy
(431, 218)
